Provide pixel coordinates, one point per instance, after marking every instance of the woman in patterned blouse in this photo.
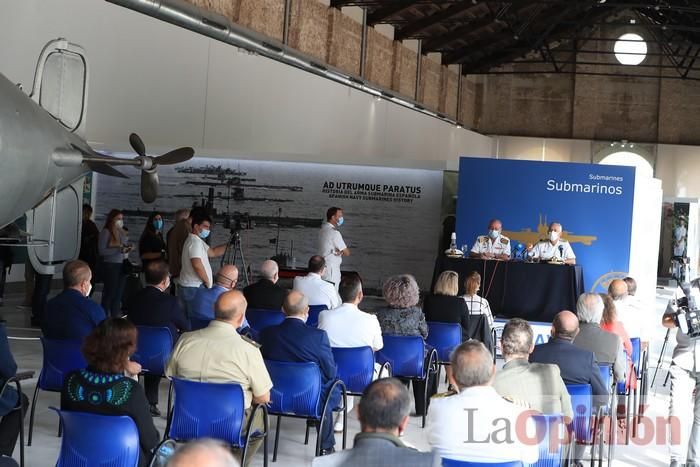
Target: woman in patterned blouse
(402, 316)
(103, 387)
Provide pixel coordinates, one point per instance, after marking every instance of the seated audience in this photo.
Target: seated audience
(265, 293)
(606, 346)
(576, 365)
(403, 317)
(71, 314)
(294, 341)
(536, 386)
(629, 310)
(318, 291)
(218, 353)
(152, 306)
(462, 426)
(348, 326)
(203, 453)
(383, 413)
(203, 303)
(444, 306)
(477, 305)
(610, 323)
(103, 388)
(9, 398)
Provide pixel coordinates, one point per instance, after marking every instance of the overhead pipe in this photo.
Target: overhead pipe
(216, 26)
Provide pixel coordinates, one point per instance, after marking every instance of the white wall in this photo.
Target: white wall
(175, 88)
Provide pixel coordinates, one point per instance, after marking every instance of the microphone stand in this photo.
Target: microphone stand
(661, 357)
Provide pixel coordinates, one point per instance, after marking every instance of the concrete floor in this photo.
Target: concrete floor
(292, 452)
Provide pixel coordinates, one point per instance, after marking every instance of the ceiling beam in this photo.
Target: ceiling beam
(435, 44)
(416, 27)
(381, 14)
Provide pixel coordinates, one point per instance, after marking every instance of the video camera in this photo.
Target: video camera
(238, 221)
(687, 314)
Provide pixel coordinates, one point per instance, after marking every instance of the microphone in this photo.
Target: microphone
(561, 251)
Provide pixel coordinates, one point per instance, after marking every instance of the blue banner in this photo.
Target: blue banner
(592, 202)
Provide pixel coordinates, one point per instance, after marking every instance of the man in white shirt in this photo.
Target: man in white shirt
(629, 311)
(318, 291)
(196, 269)
(331, 245)
(554, 247)
(477, 424)
(348, 326)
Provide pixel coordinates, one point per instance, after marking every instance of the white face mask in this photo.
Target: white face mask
(553, 236)
(119, 223)
(89, 290)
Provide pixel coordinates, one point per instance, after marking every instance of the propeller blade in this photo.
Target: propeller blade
(105, 169)
(137, 143)
(149, 185)
(175, 156)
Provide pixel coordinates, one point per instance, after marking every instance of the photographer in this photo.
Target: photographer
(685, 376)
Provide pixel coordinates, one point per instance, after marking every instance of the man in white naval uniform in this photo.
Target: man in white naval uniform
(493, 245)
(331, 245)
(554, 247)
(318, 291)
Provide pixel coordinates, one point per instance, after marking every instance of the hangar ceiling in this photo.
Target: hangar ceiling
(547, 36)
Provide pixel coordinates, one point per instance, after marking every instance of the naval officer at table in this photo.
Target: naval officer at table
(553, 248)
(493, 245)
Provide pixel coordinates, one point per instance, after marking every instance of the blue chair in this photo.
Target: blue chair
(355, 368)
(407, 357)
(297, 393)
(18, 387)
(314, 311)
(214, 410)
(444, 337)
(60, 357)
(586, 424)
(455, 463)
(259, 319)
(153, 349)
(545, 426)
(98, 440)
(197, 324)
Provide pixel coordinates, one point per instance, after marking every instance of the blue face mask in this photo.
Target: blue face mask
(493, 233)
(340, 221)
(158, 224)
(204, 234)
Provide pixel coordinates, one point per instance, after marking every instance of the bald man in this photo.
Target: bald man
(576, 365)
(203, 303)
(294, 341)
(629, 312)
(265, 293)
(203, 453)
(218, 353)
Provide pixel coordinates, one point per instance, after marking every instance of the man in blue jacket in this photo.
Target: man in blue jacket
(9, 423)
(71, 314)
(294, 341)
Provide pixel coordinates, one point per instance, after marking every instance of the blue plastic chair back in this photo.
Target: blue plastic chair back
(60, 358)
(582, 403)
(551, 433)
(208, 410)
(355, 367)
(606, 375)
(197, 324)
(153, 348)
(98, 440)
(405, 354)
(444, 337)
(259, 319)
(314, 311)
(637, 355)
(455, 463)
(296, 388)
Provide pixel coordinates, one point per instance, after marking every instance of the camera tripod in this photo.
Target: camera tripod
(234, 253)
(660, 361)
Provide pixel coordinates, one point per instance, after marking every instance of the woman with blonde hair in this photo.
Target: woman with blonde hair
(475, 304)
(444, 306)
(113, 249)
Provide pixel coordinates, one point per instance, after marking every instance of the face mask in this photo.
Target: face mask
(119, 224)
(340, 221)
(553, 236)
(158, 224)
(493, 234)
(89, 290)
(204, 234)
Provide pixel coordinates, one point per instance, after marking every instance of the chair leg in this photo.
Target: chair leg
(345, 419)
(31, 414)
(265, 448)
(635, 418)
(628, 426)
(277, 438)
(306, 438)
(21, 433)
